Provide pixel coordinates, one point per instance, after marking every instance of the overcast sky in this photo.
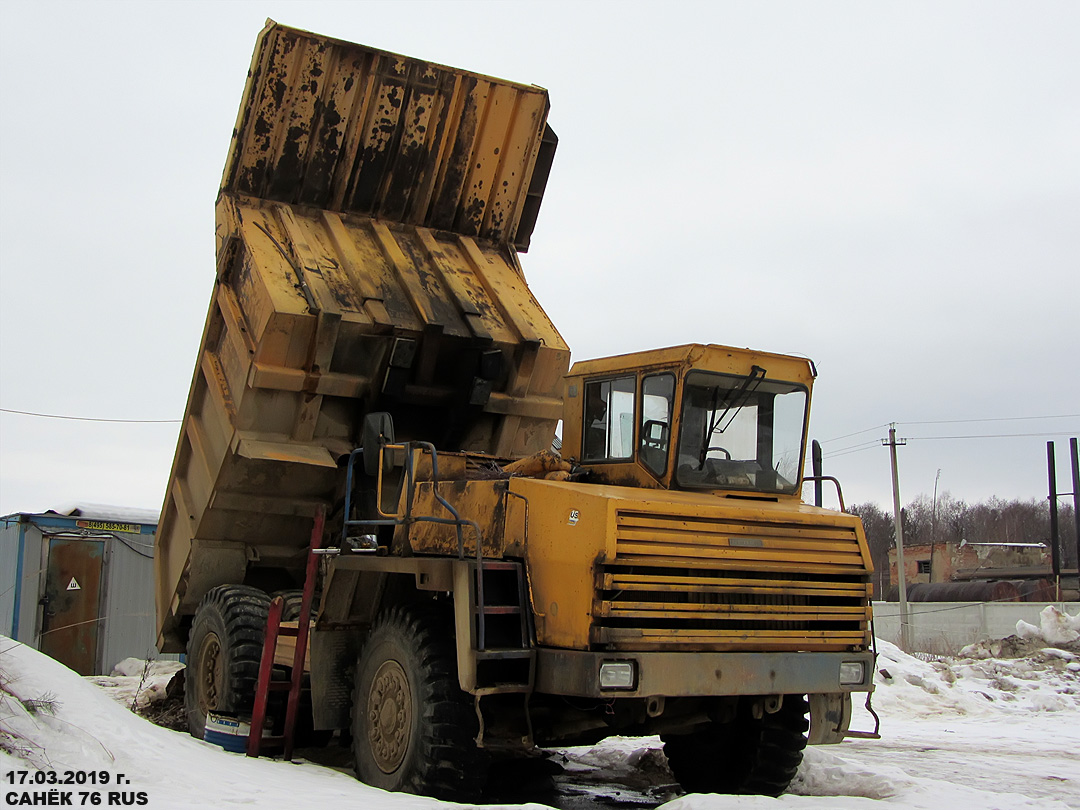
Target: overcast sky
(892, 189)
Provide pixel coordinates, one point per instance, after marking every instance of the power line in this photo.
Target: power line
(860, 445)
(991, 436)
(856, 433)
(852, 452)
(91, 419)
(955, 422)
(992, 419)
(857, 448)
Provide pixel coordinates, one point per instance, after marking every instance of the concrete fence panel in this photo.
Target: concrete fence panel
(943, 628)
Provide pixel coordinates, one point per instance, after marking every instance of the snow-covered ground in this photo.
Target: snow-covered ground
(996, 728)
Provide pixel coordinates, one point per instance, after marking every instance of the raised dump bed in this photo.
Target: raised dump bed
(367, 227)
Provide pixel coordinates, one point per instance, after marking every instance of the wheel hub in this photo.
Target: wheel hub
(209, 675)
(389, 716)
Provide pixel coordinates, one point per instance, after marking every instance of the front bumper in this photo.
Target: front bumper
(700, 674)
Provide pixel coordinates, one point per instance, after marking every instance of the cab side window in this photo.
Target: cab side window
(657, 401)
(609, 419)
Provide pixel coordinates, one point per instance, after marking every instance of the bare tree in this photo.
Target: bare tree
(992, 521)
(880, 535)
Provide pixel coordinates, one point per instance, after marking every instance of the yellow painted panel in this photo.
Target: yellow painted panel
(481, 502)
(413, 277)
(568, 530)
(515, 159)
(286, 451)
(338, 126)
(721, 359)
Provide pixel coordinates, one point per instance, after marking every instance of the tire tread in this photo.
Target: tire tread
(746, 756)
(237, 614)
(448, 764)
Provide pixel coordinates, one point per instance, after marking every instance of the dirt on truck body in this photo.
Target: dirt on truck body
(372, 352)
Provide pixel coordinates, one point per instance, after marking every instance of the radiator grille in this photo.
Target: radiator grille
(716, 584)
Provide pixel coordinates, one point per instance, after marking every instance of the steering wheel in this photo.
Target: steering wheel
(648, 440)
(727, 454)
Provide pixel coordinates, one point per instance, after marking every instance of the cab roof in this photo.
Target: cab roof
(706, 357)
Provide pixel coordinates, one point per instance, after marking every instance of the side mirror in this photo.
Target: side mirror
(378, 430)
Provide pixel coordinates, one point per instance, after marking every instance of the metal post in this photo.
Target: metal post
(815, 460)
(1076, 501)
(262, 683)
(302, 628)
(905, 635)
(1055, 553)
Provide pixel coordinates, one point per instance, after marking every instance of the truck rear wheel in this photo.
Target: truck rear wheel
(292, 601)
(413, 728)
(223, 652)
(749, 755)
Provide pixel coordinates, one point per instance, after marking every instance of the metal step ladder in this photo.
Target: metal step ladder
(505, 656)
(264, 685)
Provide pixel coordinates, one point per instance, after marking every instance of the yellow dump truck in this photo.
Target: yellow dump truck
(372, 352)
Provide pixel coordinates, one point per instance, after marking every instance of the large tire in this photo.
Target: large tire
(413, 728)
(223, 653)
(748, 755)
(292, 601)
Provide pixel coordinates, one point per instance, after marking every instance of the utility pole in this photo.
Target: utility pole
(905, 633)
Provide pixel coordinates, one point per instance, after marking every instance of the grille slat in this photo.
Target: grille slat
(744, 611)
(687, 548)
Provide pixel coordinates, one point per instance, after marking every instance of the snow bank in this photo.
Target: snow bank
(615, 754)
(844, 782)
(90, 731)
(1055, 627)
(137, 682)
(1022, 672)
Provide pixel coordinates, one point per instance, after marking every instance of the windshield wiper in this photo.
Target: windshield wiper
(736, 401)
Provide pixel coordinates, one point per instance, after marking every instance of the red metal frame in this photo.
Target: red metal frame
(274, 629)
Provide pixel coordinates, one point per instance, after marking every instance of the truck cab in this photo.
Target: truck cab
(695, 418)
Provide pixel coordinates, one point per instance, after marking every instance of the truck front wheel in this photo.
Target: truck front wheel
(223, 652)
(756, 753)
(413, 728)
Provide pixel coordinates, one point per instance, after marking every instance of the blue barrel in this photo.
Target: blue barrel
(228, 732)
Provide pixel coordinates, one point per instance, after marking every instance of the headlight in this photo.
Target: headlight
(852, 673)
(617, 675)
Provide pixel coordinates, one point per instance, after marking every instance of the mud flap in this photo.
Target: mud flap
(333, 662)
(830, 716)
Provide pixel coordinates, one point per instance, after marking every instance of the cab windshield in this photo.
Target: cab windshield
(741, 432)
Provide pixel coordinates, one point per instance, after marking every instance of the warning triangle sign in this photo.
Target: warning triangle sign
(73, 585)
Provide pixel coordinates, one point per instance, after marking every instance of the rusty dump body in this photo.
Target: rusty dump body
(367, 227)
(372, 353)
